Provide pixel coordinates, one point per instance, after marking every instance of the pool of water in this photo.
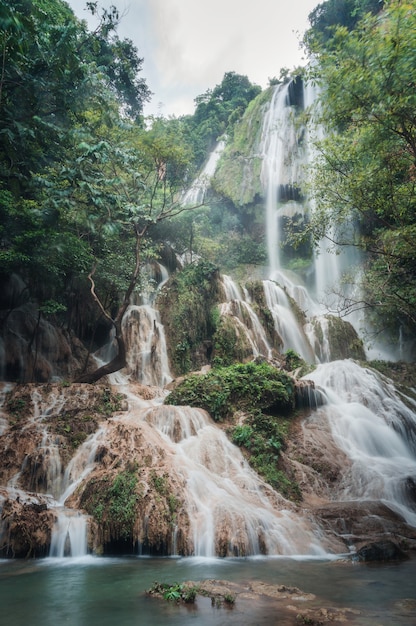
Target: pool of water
(98, 591)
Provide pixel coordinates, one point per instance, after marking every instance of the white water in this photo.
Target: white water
(196, 193)
(230, 508)
(285, 321)
(147, 355)
(277, 136)
(69, 536)
(376, 430)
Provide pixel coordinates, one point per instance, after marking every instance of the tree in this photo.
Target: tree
(119, 61)
(58, 84)
(327, 16)
(366, 171)
(217, 110)
(118, 185)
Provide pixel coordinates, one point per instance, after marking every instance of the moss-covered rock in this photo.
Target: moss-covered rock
(225, 390)
(186, 306)
(230, 344)
(237, 177)
(340, 337)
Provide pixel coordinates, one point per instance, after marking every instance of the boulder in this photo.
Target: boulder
(381, 551)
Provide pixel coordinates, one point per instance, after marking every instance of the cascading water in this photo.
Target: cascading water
(377, 431)
(228, 508)
(69, 535)
(147, 360)
(147, 354)
(285, 322)
(277, 134)
(196, 193)
(238, 309)
(232, 512)
(369, 421)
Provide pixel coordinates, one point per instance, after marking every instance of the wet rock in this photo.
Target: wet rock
(25, 528)
(361, 524)
(381, 551)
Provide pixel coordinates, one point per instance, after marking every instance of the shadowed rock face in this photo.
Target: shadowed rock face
(381, 551)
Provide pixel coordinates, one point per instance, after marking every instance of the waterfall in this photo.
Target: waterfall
(285, 322)
(196, 193)
(376, 429)
(147, 360)
(147, 354)
(277, 135)
(231, 510)
(69, 535)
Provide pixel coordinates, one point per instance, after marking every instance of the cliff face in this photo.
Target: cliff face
(237, 177)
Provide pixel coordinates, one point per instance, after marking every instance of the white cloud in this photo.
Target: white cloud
(188, 45)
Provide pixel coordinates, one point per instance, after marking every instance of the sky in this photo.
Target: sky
(188, 45)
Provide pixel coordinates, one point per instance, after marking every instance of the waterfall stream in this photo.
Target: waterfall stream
(227, 503)
(230, 509)
(376, 429)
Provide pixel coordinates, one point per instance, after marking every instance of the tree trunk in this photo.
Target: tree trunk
(114, 365)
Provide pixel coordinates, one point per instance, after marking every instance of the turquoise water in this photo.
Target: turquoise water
(98, 591)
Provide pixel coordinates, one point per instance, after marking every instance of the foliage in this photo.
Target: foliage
(237, 177)
(247, 386)
(176, 592)
(328, 15)
(62, 90)
(186, 305)
(118, 60)
(365, 174)
(216, 111)
(263, 437)
(113, 503)
(229, 347)
(294, 363)
(82, 182)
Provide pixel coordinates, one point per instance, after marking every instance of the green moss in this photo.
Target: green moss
(343, 340)
(76, 424)
(224, 390)
(160, 483)
(18, 407)
(230, 345)
(109, 402)
(186, 305)
(259, 305)
(266, 395)
(263, 437)
(113, 503)
(238, 173)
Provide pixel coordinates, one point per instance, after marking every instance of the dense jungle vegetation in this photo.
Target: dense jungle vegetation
(90, 190)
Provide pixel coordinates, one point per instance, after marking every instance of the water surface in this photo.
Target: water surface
(97, 591)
